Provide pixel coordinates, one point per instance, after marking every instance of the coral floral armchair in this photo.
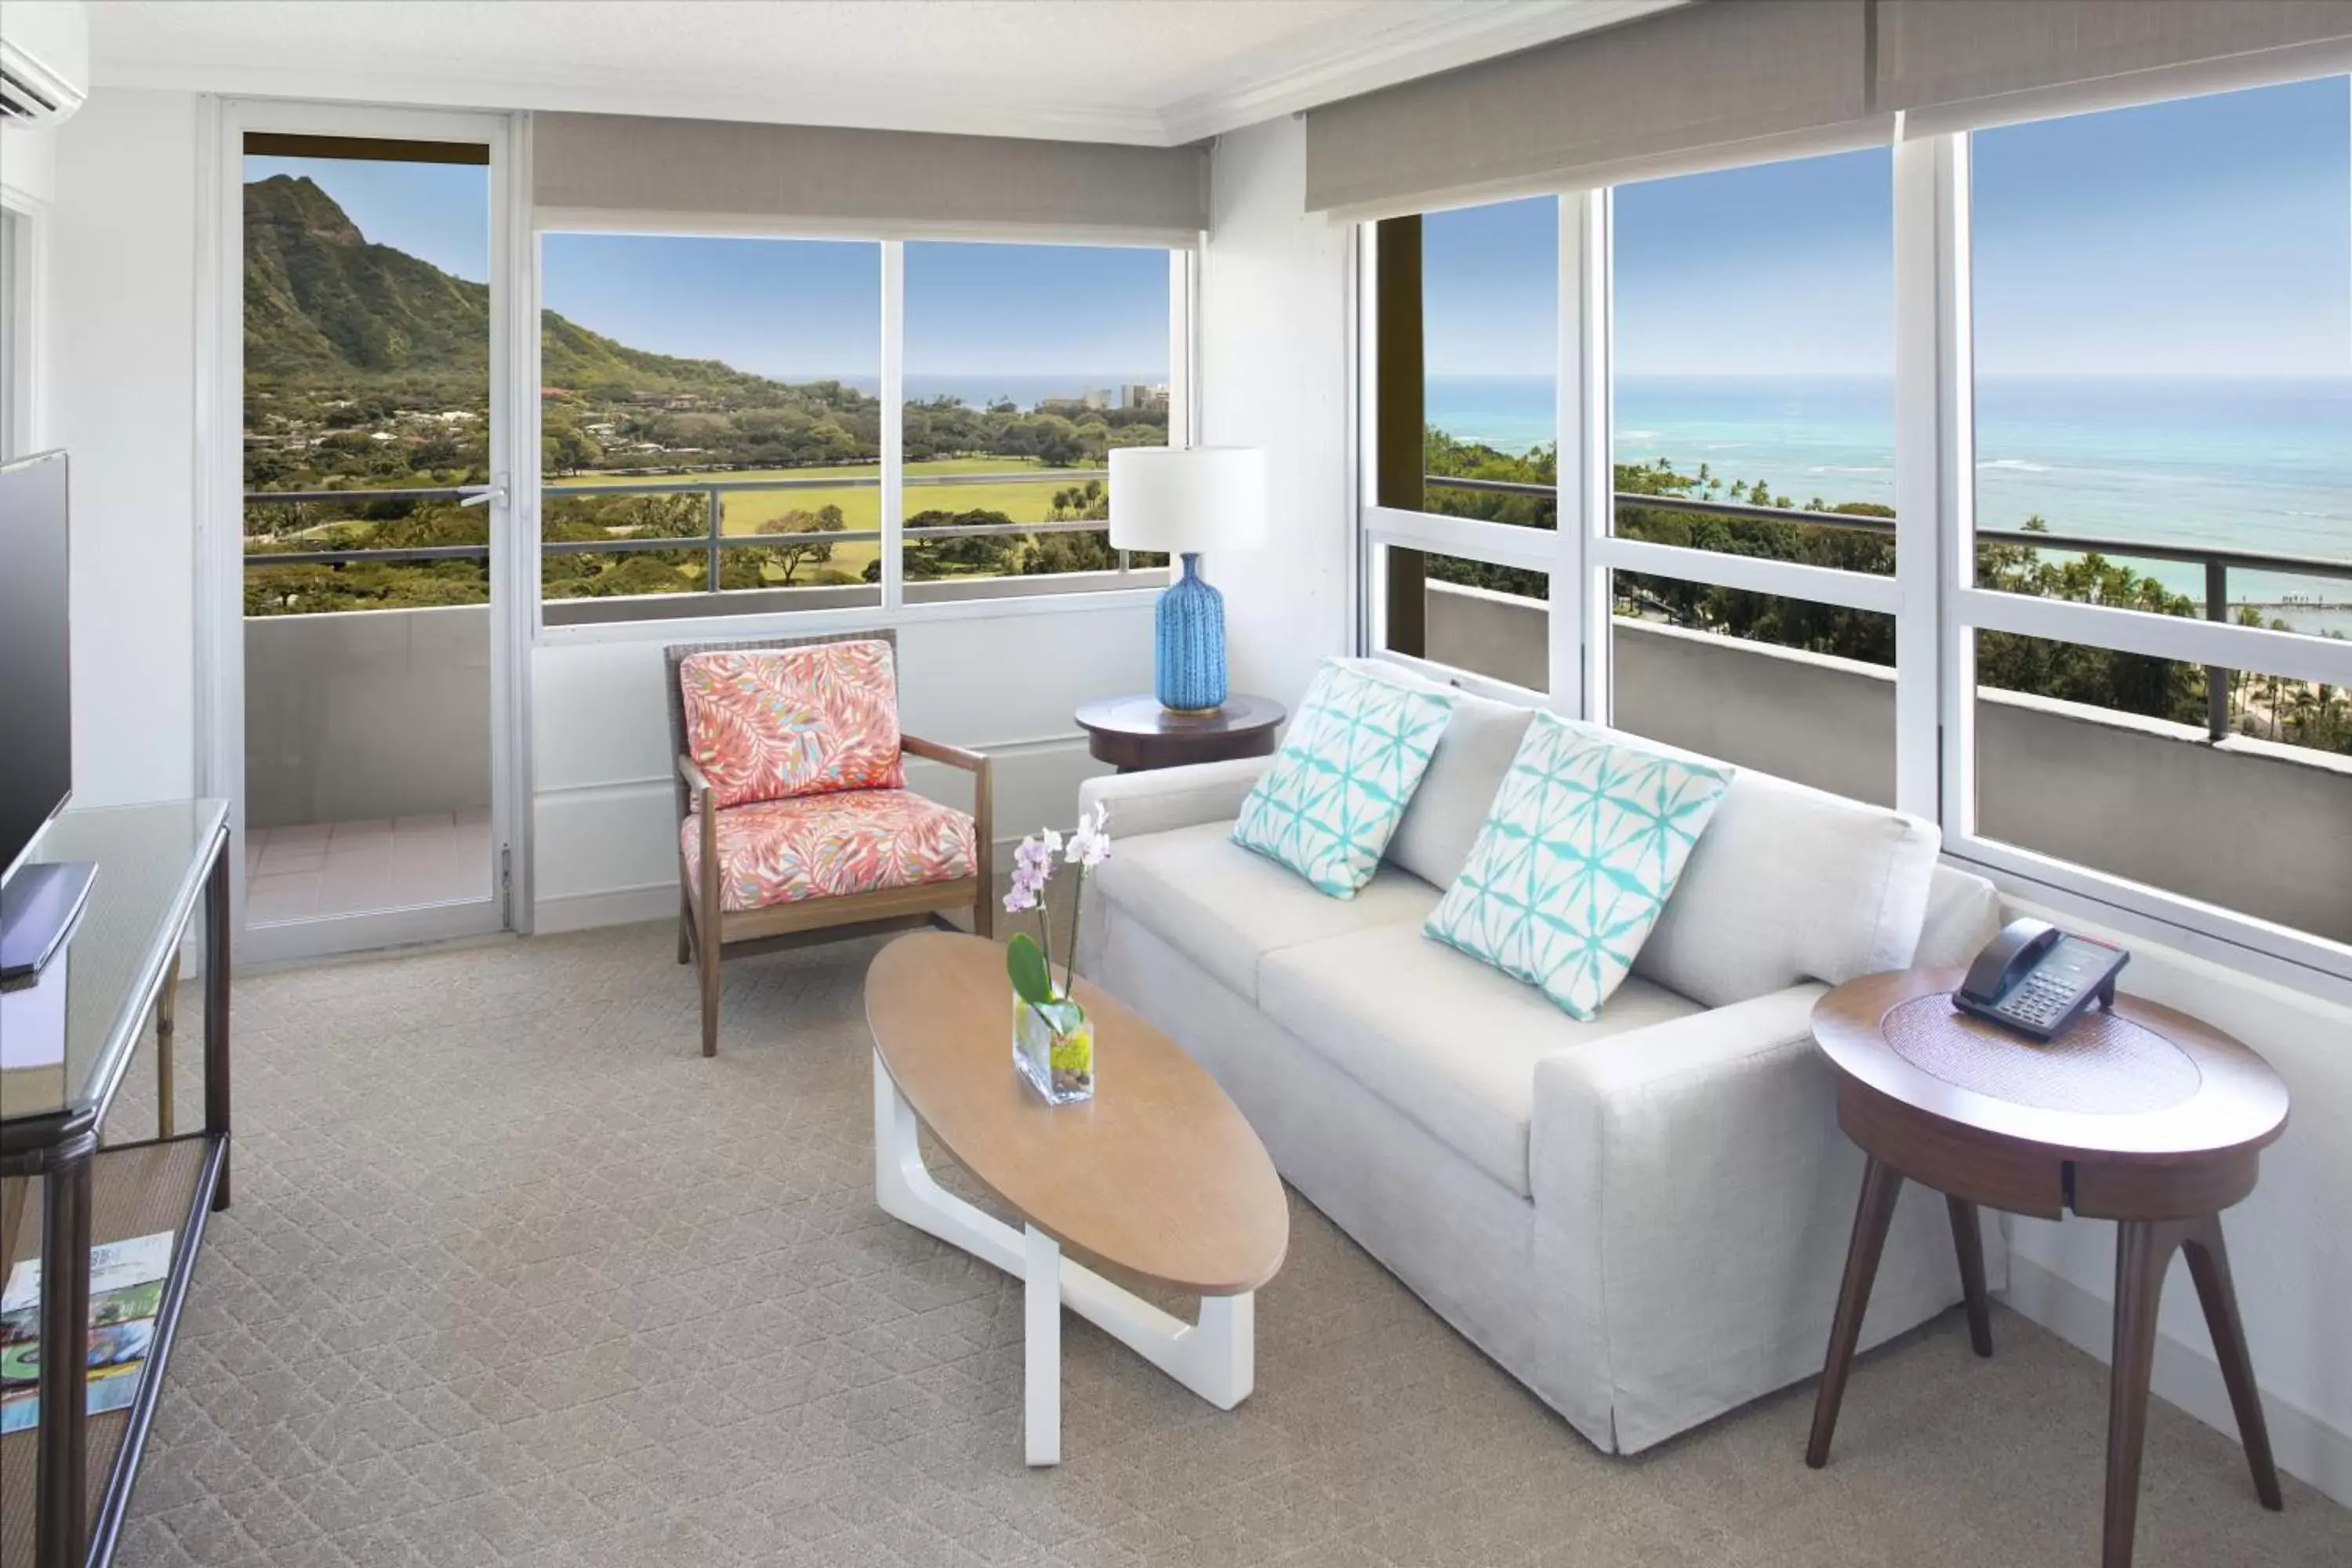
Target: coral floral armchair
(792, 784)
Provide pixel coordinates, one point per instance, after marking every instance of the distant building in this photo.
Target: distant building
(1100, 397)
(1138, 395)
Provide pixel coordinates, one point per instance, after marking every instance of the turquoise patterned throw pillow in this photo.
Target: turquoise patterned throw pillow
(1582, 846)
(1352, 759)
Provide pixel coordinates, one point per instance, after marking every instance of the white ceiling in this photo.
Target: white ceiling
(1150, 71)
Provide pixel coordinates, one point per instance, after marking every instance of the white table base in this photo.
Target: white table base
(1215, 1358)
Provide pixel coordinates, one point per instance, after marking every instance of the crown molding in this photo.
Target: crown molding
(585, 92)
(1391, 52)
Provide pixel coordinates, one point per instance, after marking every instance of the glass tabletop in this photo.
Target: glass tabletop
(66, 1035)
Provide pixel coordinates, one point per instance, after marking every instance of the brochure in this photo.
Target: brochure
(126, 1290)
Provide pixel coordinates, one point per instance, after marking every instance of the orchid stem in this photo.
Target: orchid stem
(1046, 931)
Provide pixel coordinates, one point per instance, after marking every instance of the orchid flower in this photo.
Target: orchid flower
(1090, 844)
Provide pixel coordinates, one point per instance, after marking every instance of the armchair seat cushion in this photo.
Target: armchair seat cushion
(825, 845)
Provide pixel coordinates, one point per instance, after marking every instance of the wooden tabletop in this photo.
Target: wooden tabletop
(1158, 1177)
(2146, 1082)
(1137, 732)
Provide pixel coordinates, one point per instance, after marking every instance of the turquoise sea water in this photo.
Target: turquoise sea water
(2257, 465)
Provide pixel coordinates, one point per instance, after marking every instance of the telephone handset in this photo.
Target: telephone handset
(2037, 980)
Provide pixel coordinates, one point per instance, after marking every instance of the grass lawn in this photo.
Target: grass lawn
(861, 505)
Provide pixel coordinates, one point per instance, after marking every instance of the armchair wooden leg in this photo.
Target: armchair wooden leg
(710, 953)
(709, 932)
(684, 925)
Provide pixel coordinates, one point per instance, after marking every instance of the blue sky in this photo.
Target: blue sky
(2206, 236)
(792, 309)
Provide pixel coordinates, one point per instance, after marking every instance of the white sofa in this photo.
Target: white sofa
(1643, 1218)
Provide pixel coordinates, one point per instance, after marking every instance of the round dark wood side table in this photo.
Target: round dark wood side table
(1135, 734)
(2142, 1115)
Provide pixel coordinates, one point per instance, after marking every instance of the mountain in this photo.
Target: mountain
(324, 304)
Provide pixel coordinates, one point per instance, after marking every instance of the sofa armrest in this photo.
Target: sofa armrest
(1642, 1126)
(1165, 799)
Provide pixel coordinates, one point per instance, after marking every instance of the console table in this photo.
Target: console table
(2140, 1114)
(64, 1483)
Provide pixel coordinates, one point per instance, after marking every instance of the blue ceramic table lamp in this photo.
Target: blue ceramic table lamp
(1183, 501)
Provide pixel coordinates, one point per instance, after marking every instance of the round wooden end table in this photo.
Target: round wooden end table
(1135, 734)
(2140, 1114)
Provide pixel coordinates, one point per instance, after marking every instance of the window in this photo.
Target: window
(1025, 366)
(1999, 474)
(2164, 427)
(1489, 620)
(366, 378)
(721, 391)
(1751, 407)
(1490, 348)
(1468, 400)
(715, 437)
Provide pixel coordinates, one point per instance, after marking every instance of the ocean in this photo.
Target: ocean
(2257, 465)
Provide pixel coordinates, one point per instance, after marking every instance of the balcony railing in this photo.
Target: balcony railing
(711, 540)
(2217, 561)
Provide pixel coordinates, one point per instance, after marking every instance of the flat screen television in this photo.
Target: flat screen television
(35, 677)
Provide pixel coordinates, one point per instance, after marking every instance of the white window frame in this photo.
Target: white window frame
(1932, 595)
(893, 609)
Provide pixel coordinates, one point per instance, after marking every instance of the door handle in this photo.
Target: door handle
(481, 495)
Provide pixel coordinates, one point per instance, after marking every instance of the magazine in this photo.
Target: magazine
(126, 1290)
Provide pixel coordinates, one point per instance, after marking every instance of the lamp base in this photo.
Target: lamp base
(1190, 625)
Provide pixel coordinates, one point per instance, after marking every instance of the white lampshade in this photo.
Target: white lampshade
(1177, 498)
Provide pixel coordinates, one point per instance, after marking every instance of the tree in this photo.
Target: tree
(566, 449)
(790, 558)
(961, 555)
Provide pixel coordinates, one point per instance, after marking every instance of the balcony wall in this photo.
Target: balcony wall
(370, 714)
(2243, 823)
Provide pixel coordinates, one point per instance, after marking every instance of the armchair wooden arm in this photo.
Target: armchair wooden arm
(983, 816)
(692, 773)
(941, 752)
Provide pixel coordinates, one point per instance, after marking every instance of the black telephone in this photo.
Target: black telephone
(2037, 980)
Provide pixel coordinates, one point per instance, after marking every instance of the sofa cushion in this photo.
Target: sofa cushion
(1443, 820)
(1587, 837)
(1350, 761)
(1226, 907)
(1790, 884)
(1448, 1042)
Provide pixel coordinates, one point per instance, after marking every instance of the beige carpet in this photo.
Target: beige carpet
(514, 1276)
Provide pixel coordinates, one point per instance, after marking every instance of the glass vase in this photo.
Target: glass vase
(1059, 1066)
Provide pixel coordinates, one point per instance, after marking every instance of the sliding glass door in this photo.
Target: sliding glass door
(373, 473)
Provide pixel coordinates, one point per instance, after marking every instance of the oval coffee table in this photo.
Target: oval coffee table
(2140, 1114)
(1157, 1180)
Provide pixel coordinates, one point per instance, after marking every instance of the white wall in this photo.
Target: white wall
(1273, 348)
(121, 375)
(606, 846)
(29, 166)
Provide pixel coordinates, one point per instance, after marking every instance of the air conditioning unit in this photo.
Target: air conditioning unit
(44, 62)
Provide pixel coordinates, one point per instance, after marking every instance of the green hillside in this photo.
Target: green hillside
(324, 304)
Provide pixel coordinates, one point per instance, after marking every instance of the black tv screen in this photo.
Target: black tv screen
(36, 684)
